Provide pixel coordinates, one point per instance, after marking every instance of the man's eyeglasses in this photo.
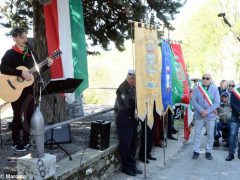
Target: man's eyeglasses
(231, 85)
(224, 96)
(206, 78)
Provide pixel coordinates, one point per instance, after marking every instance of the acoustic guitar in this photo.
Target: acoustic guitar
(11, 87)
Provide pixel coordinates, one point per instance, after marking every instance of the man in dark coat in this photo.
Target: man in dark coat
(234, 123)
(127, 124)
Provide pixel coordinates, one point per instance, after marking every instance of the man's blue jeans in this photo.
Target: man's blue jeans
(233, 136)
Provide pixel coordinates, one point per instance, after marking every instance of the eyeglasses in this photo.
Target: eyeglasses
(224, 96)
(206, 78)
(230, 85)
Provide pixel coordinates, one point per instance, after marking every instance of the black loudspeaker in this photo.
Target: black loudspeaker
(100, 135)
(61, 134)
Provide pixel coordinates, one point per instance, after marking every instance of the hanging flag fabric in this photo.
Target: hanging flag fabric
(177, 81)
(181, 73)
(181, 93)
(65, 31)
(148, 72)
(166, 79)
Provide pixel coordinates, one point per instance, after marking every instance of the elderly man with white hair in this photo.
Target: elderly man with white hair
(205, 100)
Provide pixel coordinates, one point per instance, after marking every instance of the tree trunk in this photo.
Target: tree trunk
(52, 106)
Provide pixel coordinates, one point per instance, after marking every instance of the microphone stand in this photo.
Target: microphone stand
(230, 27)
(41, 82)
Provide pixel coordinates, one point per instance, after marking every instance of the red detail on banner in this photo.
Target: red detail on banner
(179, 58)
(52, 34)
(187, 130)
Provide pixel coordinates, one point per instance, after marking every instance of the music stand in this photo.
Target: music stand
(61, 85)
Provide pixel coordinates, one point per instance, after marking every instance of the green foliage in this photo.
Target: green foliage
(105, 20)
(17, 13)
(206, 38)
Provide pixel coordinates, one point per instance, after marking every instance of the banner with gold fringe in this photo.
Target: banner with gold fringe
(148, 66)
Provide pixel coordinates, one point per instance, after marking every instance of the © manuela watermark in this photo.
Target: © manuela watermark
(12, 176)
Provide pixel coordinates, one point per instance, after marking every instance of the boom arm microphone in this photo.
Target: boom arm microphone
(226, 22)
(221, 15)
(224, 19)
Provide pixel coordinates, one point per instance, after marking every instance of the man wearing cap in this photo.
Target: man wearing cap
(224, 114)
(127, 124)
(205, 100)
(234, 124)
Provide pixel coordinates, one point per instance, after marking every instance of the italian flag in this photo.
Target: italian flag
(65, 31)
(236, 92)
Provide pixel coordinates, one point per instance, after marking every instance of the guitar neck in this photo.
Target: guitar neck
(55, 55)
(39, 66)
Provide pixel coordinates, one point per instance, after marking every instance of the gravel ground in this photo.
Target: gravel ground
(80, 136)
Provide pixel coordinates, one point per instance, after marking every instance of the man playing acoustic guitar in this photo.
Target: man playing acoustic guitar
(13, 58)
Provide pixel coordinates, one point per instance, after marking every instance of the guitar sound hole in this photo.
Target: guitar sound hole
(20, 79)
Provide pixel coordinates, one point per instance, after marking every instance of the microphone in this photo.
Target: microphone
(28, 45)
(221, 15)
(224, 19)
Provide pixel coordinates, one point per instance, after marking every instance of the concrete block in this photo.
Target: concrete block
(30, 168)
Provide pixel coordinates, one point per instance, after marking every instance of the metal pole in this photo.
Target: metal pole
(145, 146)
(1, 125)
(179, 121)
(164, 137)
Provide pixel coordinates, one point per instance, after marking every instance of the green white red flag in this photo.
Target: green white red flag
(65, 31)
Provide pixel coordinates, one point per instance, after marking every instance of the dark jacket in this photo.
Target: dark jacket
(235, 105)
(125, 105)
(225, 112)
(12, 59)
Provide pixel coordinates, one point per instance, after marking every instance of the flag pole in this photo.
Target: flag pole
(145, 146)
(164, 138)
(179, 121)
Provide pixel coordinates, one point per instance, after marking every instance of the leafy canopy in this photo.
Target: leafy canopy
(105, 20)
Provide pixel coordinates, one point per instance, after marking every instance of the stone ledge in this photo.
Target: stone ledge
(94, 163)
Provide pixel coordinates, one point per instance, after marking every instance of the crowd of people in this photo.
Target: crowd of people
(219, 110)
(215, 108)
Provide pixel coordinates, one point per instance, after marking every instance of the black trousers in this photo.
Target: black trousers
(127, 133)
(170, 123)
(24, 106)
(149, 141)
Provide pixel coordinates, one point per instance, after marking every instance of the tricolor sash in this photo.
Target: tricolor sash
(206, 94)
(236, 92)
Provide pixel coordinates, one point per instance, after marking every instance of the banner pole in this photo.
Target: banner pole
(179, 121)
(145, 146)
(164, 138)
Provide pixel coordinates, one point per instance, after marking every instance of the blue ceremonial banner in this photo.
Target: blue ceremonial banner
(166, 75)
